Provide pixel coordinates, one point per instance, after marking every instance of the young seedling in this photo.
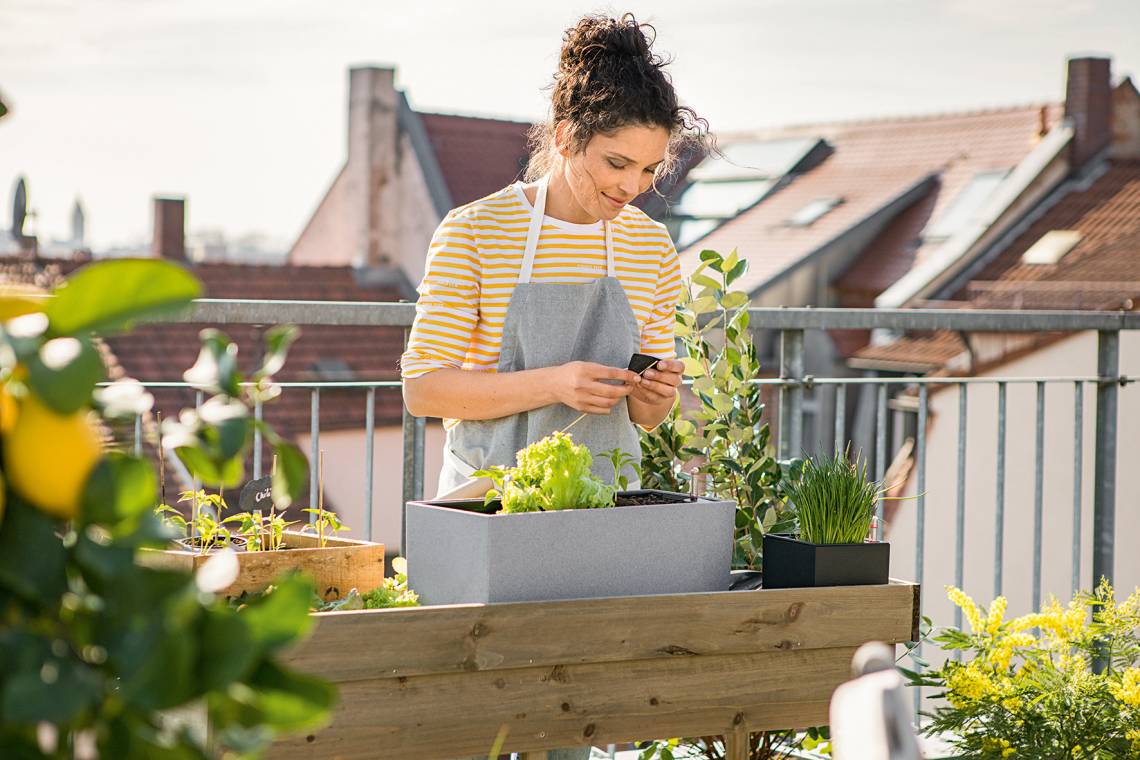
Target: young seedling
(323, 520)
(206, 528)
(325, 523)
(262, 532)
(620, 460)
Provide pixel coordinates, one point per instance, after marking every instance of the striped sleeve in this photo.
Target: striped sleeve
(657, 337)
(448, 307)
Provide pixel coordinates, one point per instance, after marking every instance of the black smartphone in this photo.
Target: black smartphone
(641, 362)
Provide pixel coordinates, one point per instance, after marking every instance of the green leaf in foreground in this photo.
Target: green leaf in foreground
(112, 295)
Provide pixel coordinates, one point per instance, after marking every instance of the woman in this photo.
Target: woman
(536, 297)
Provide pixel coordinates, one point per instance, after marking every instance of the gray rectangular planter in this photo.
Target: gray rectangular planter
(458, 555)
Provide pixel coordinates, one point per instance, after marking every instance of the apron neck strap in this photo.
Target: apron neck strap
(535, 229)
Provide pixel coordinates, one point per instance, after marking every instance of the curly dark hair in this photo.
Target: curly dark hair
(609, 77)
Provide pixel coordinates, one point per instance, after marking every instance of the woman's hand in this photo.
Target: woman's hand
(580, 385)
(659, 385)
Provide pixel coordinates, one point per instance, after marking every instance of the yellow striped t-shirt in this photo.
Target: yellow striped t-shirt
(473, 265)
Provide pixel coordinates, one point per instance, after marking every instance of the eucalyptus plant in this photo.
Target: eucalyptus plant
(720, 432)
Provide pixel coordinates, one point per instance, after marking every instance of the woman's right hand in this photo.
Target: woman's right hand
(579, 385)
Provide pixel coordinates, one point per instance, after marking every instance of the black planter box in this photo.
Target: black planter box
(791, 563)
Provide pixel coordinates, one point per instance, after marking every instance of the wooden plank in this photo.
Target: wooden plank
(459, 714)
(341, 565)
(461, 638)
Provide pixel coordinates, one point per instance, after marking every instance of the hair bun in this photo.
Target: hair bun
(599, 40)
(609, 77)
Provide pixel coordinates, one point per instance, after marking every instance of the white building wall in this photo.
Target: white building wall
(1076, 355)
(345, 477)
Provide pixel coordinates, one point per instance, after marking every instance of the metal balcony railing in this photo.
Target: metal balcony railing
(799, 391)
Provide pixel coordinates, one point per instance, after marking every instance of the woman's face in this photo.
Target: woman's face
(614, 168)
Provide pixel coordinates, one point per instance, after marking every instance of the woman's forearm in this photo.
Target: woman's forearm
(649, 415)
(462, 394)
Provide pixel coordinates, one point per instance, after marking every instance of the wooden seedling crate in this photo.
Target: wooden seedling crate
(341, 565)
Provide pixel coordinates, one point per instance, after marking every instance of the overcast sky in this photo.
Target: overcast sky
(240, 104)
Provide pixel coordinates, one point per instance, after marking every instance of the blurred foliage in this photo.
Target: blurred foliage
(97, 652)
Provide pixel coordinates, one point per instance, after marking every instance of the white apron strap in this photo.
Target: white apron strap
(611, 265)
(534, 230)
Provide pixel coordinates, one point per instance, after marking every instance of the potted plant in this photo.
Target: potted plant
(834, 507)
(551, 530)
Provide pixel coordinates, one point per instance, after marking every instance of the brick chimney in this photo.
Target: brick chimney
(370, 172)
(169, 228)
(1088, 104)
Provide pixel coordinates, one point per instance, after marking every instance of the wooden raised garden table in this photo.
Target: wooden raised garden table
(439, 682)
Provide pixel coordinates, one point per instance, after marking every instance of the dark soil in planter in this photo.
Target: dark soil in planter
(624, 499)
(237, 543)
(647, 498)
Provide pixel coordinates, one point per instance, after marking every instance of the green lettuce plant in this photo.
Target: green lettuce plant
(552, 473)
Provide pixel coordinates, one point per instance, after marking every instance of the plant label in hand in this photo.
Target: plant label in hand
(640, 363)
(256, 494)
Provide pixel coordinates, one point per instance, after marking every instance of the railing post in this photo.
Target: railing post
(791, 398)
(409, 472)
(258, 415)
(1104, 468)
(999, 497)
(418, 459)
(314, 451)
(960, 506)
(369, 456)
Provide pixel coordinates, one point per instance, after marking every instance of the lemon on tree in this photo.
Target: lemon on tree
(48, 456)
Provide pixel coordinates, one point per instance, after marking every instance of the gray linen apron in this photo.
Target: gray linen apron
(546, 325)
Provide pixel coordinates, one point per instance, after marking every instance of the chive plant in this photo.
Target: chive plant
(834, 501)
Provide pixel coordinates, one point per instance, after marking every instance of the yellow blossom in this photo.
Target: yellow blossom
(996, 615)
(1001, 655)
(1128, 690)
(959, 597)
(970, 681)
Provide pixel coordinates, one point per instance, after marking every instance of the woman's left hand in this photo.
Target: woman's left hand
(659, 384)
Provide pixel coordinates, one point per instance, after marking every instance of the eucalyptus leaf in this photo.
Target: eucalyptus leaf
(734, 300)
(693, 367)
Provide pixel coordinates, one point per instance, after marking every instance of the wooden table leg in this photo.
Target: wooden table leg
(736, 743)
